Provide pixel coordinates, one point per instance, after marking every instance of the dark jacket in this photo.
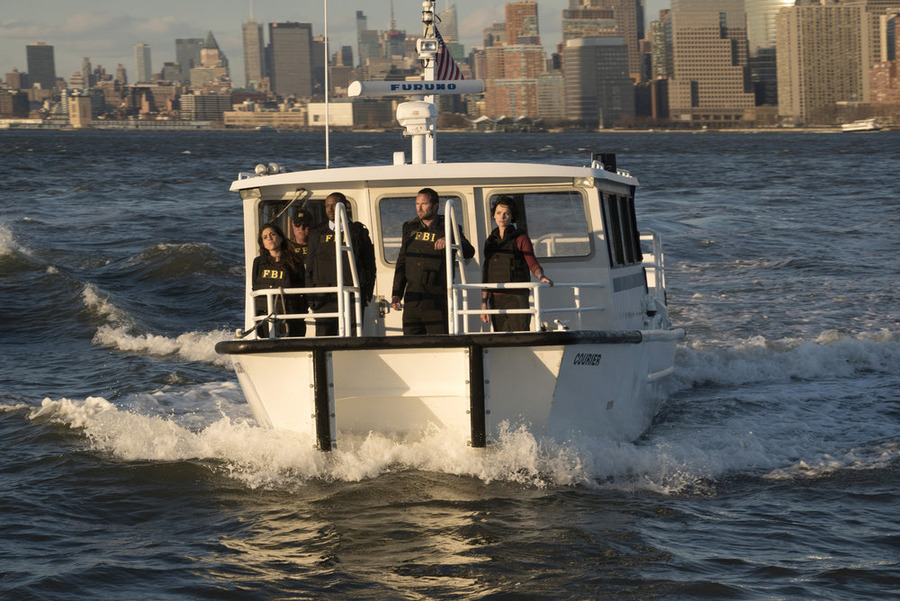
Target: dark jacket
(421, 273)
(321, 265)
(284, 274)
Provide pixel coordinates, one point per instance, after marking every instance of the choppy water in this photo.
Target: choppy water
(131, 467)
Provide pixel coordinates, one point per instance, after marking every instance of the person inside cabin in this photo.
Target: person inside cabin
(508, 257)
(299, 242)
(420, 276)
(321, 264)
(277, 267)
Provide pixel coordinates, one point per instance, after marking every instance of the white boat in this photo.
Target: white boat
(597, 361)
(862, 125)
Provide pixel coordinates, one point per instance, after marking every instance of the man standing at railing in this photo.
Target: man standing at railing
(420, 277)
(321, 264)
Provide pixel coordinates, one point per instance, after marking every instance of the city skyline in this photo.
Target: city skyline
(108, 37)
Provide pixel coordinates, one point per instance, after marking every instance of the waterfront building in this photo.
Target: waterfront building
(885, 76)
(13, 103)
(290, 54)
(599, 90)
(824, 58)
(510, 74)
(41, 65)
(710, 79)
(204, 107)
(79, 109)
(142, 66)
(551, 96)
(254, 55)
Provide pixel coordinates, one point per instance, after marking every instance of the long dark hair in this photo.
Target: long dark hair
(286, 253)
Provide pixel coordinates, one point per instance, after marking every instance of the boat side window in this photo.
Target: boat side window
(274, 210)
(623, 238)
(556, 222)
(394, 211)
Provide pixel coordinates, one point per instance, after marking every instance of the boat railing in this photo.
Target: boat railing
(346, 322)
(654, 269)
(452, 235)
(538, 308)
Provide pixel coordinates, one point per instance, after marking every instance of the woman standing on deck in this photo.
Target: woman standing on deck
(277, 267)
(508, 257)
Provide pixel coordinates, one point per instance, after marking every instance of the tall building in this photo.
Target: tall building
(290, 56)
(885, 77)
(142, 66)
(213, 67)
(367, 41)
(599, 89)
(510, 76)
(254, 56)
(522, 23)
(824, 57)
(494, 35)
(41, 66)
(187, 55)
(661, 46)
(447, 23)
(605, 18)
(710, 81)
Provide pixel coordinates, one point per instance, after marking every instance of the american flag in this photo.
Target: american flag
(444, 65)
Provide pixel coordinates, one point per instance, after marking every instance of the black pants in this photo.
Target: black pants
(328, 326)
(425, 317)
(516, 322)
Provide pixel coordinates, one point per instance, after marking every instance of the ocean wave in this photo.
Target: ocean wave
(832, 354)
(174, 261)
(881, 456)
(190, 346)
(119, 331)
(279, 459)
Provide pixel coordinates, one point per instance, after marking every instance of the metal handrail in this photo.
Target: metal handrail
(536, 310)
(345, 325)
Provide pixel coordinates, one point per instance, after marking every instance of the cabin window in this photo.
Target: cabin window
(397, 210)
(622, 237)
(556, 222)
(281, 211)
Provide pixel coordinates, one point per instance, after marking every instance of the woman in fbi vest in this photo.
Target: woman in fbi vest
(277, 267)
(508, 257)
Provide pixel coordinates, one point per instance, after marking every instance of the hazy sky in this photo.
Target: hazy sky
(106, 31)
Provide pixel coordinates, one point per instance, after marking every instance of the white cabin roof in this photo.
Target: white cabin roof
(429, 174)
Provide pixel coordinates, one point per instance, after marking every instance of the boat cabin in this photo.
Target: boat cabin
(581, 220)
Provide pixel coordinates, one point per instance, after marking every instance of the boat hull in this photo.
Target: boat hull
(560, 384)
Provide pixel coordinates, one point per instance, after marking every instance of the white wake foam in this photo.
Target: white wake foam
(832, 354)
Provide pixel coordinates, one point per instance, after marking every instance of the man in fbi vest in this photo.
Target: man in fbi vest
(420, 277)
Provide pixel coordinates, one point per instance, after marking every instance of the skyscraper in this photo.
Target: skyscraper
(710, 81)
(290, 55)
(823, 57)
(187, 55)
(254, 63)
(599, 90)
(603, 18)
(142, 66)
(522, 23)
(447, 23)
(41, 66)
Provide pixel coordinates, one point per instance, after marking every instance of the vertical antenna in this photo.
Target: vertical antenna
(251, 10)
(327, 128)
